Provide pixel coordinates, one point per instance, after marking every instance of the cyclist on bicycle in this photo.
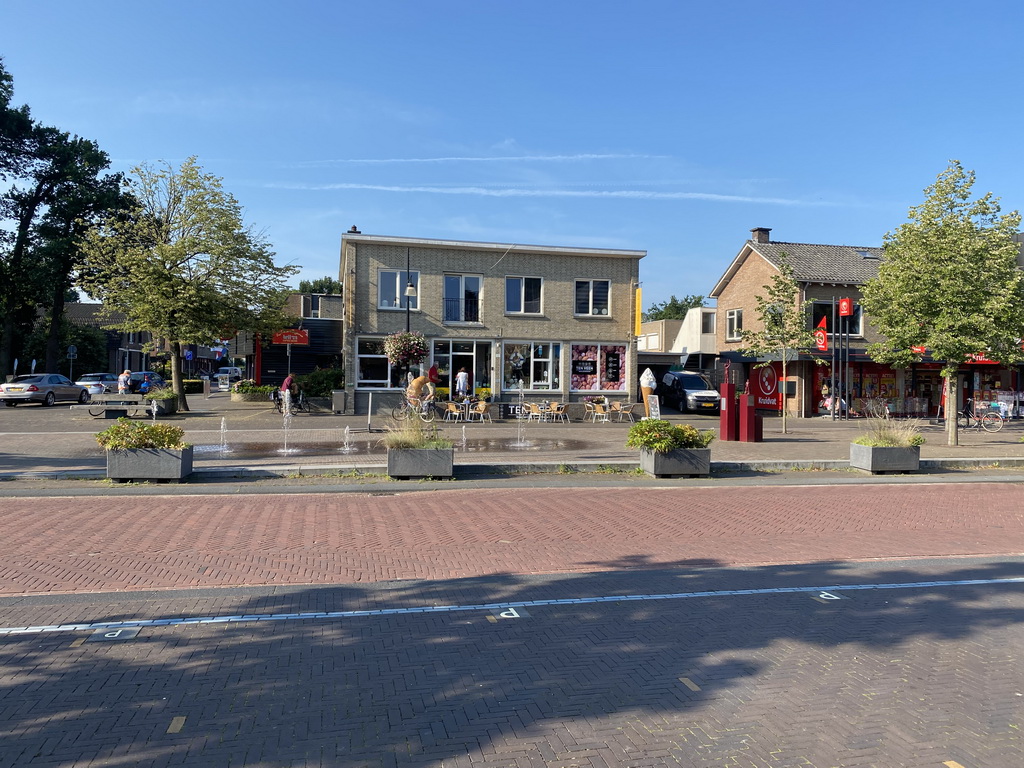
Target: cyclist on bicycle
(414, 393)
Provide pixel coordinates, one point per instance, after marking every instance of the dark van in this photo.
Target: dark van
(687, 391)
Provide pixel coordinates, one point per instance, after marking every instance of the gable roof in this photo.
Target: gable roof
(811, 263)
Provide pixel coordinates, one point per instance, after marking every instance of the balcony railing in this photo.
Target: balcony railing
(462, 310)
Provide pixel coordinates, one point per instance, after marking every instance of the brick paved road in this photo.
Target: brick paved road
(920, 677)
(131, 543)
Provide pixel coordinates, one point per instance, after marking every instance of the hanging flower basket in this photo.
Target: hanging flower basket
(405, 348)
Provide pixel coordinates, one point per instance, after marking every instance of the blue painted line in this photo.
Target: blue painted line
(251, 617)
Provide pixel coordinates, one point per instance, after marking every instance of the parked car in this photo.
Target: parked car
(97, 383)
(156, 381)
(686, 391)
(44, 388)
(233, 373)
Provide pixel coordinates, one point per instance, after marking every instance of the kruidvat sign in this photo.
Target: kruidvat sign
(291, 337)
(764, 385)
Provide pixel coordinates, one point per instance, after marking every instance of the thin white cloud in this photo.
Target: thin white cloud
(499, 159)
(632, 194)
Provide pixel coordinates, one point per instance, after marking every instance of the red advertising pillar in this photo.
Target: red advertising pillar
(728, 419)
(750, 423)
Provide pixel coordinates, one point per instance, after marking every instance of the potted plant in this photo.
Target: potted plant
(888, 446)
(416, 450)
(165, 400)
(671, 450)
(140, 450)
(247, 390)
(405, 348)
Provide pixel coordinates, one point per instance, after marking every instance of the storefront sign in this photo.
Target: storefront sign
(765, 386)
(611, 366)
(821, 335)
(584, 367)
(291, 337)
(845, 307)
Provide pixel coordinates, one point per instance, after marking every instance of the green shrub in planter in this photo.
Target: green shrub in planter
(661, 436)
(162, 394)
(192, 386)
(886, 433)
(250, 387)
(129, 435)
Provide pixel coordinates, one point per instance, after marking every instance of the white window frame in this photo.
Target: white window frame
(733, 324)
(445, 298)
(401, 281)
(528, 349)
(373, 384)
(522, 295)
(591, 281)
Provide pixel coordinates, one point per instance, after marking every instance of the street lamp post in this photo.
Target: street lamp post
(410, 290)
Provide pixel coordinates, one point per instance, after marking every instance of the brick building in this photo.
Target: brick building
(558, 319)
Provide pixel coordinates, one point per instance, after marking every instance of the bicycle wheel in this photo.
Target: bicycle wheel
(93, 411)
(428, 414)
(400, 412)
(963, 422)
(992, 422)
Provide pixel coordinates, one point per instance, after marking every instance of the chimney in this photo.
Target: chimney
(760, 234)
(354, 231)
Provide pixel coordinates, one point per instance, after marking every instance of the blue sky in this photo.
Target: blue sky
(672, 127)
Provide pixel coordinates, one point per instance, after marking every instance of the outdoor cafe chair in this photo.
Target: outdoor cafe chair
(480, 412)
(599, 413)
(534, 412)
(556, 412)
(624, 411)
(452, 411)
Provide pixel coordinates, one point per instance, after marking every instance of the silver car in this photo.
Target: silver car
(45, 388)
(98, 383)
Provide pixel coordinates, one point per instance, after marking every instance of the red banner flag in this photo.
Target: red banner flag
(821, 335)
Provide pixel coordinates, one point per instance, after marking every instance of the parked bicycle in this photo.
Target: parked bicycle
(990, 421)
(424, 409)
(299, 402)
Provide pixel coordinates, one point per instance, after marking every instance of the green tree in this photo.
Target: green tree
(949, 282)
(320, 285)
(57, 193)
(183, 266)
(673, 309)
(784, 324)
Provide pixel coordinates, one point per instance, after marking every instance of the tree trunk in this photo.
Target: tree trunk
(952, 433)
(177, 380)
(784, 389)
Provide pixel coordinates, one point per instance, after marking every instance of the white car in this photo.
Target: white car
(98, 383)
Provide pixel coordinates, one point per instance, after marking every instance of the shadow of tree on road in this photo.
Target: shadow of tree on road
(773, 677)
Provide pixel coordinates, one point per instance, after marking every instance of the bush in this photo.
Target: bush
(161, 394)
(322, 381)
(413, 433)
(885, 433)
(250, 387)
(661, 436)
(192, 386)
(127, 435)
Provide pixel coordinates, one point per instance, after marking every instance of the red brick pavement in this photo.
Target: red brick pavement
(66, 545)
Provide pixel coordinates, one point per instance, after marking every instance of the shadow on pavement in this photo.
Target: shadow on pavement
(775, 678)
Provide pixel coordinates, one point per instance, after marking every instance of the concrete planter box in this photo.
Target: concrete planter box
(420, 462)
(683, 462)
(250, 397)
(149, 464)
(885, 459)
(164, 407)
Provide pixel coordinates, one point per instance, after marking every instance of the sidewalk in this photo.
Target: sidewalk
(248, 439)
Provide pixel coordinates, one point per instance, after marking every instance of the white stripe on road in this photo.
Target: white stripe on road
(249, 617)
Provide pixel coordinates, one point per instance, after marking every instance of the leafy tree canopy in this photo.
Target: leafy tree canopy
(949, 281)
(325, 284)
(182, 265)
(673, 309)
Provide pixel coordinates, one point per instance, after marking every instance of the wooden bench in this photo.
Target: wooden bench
(114, 406)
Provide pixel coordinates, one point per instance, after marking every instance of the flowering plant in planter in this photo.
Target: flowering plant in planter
(405, 348)
(661, 436)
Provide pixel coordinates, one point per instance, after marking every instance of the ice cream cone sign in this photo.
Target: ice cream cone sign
(647, 385)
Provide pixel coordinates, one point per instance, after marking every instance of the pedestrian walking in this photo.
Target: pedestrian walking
(124, 383)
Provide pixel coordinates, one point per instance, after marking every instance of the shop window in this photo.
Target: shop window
(373, 371)
(522, 295)
(534, 363)
(598, 367)
(391, 286)
(593, 297)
